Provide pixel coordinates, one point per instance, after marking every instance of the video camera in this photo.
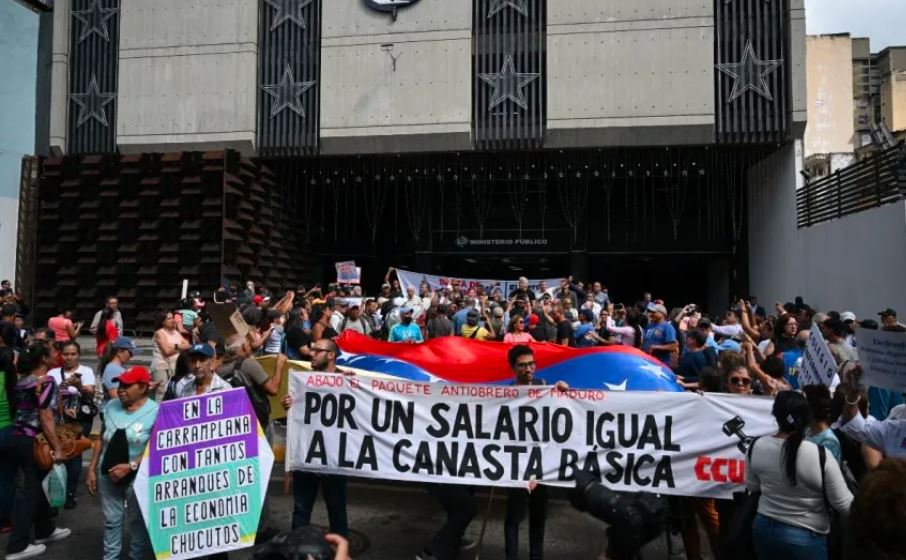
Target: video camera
(304, 543)
(634, 519)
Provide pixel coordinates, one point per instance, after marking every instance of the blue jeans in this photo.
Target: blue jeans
(305, 492)
(31, 509)
(7, 476)
(775, 539)
(114, 500)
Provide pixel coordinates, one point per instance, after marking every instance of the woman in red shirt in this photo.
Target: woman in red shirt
(107, 331)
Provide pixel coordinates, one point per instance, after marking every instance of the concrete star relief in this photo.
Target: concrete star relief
(91, 103)
(508, 84)
(287, 94)
(499, 5)
(749, 74)
(288, 10)
(94, 20)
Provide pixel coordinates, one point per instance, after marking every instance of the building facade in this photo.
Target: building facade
(268, 139)
(856, 101)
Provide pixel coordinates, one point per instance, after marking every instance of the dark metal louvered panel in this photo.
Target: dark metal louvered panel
(93, 66)
(509, 63)
(752, 35)
(289, 63)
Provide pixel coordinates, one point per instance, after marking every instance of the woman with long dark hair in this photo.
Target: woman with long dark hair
(107, 331)
(629, 334)
(792, 520)
(35, 397)
(785, 330)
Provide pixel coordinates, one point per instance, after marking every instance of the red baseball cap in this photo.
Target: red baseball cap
(257, 299)
(135, 374)
(533, 319)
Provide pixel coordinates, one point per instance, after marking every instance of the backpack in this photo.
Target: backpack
(236, 378)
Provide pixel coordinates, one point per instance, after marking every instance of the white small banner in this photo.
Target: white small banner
(883, 358)
(671, 443)
(414, 279)
(818, 364)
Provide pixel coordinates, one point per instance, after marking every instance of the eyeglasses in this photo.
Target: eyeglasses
(315, 350)
(744, 381)
(525, 365)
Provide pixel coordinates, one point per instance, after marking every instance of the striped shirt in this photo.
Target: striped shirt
(32, 395)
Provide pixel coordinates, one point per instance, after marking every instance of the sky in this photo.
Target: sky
(884, 21)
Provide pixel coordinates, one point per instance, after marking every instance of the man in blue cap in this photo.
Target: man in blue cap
(202, 380)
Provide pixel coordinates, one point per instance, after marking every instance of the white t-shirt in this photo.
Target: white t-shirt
(87, 377)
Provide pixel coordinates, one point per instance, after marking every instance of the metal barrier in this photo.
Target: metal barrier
(872, 182)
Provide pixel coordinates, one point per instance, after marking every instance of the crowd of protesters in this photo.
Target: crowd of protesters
(836, 449)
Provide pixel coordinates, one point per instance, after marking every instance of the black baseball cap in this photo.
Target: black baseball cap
(888, 313)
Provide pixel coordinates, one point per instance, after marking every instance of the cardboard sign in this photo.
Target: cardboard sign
(883, 358)
(204, 476)
(227, 319)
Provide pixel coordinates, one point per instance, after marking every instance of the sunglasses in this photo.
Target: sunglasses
(744, 381)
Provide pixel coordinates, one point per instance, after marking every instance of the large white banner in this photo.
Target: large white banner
(818, 364)
(883, 358)
(414, 279)
(672, 443)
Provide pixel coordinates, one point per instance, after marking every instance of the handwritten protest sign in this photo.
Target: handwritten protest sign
(818, 365)
(672, 443)
(204, 475)
(883, 357)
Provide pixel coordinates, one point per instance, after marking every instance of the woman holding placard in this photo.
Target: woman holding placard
(127, 427)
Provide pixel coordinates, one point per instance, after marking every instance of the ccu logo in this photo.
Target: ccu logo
(389, 6)
(462, 241)
(720, 470)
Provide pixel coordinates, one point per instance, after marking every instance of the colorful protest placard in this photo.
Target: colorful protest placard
(204, 475)
(348, 273)
(495, 435)
(883, 358)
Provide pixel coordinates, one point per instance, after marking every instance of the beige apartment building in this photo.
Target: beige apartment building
(856, 100)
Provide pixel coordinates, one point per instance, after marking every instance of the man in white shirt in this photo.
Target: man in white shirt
(337, 308)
